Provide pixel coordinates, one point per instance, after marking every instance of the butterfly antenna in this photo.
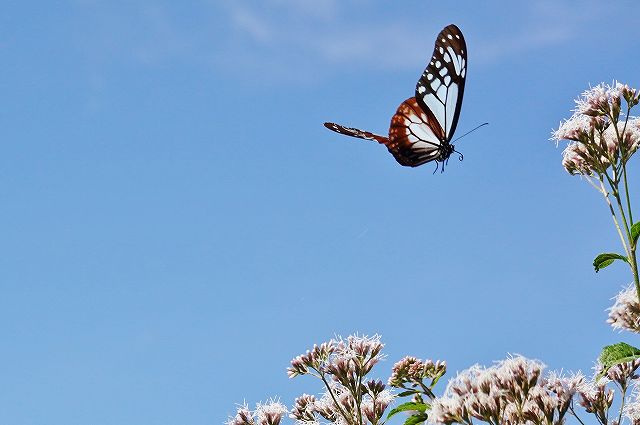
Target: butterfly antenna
(470, 131)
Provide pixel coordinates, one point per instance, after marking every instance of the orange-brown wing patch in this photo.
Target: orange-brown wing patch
(415, 137)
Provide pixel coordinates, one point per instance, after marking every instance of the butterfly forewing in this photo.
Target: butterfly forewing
(441, 85)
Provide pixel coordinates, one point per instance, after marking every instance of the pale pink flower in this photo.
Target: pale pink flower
(599, 133)
(304, 409)
(625, 312)
(600, 100)
(270, 413)
(448, 410)
(596, 398)
(588, 158)
(631, 410)
(632, 136)
(243, 416)
(374, 407)
(412, 370)
(513, 391)
(576, 128)
(313, 360)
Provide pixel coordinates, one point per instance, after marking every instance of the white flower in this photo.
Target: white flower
(572, 129)
(385, 397)
(270, 413)
(595, 101)
(625, 312)
(632, 409)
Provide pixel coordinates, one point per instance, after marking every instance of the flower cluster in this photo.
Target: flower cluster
(413, 371)
(596, 398)
(599, 133)
(625, 313)
(511, 392)
(631, 410)
(315, 359)
(269, 413)
(342, 365)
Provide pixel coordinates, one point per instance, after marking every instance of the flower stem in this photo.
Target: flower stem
(573, 412)
(344, 414)
(624, 394)
(633, 260)
(631, 249)
(626, 190)
(604, 192)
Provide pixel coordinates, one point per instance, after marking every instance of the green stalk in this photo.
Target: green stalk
(624, 394)
(335, 401)
(615, 220)
(633, 260)
(626, 190)
(573, 412)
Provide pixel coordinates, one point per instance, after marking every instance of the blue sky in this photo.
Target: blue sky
(177, 223)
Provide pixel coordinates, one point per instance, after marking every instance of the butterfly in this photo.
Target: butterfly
(422, 127)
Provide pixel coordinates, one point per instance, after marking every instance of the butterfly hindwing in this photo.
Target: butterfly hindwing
(441, 85)
(354, 132)
(415, 137)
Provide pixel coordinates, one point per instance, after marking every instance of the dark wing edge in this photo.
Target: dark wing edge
(354, 132)
(447, 67)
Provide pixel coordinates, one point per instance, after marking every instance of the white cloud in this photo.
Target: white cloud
(323, 9)
(488, 52)
(547, 24)
(252, 24)
(383, 47)
(304, 39)
(287, 40)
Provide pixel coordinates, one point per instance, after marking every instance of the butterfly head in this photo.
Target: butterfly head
(445, 151)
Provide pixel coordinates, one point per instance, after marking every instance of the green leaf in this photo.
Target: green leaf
(409, 392)
(420, 407)
(635, 232)
(603, 260)
(416, 419)
(612, 355)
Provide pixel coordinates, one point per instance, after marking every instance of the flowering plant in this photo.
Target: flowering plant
(602, 140)
(602, 136)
